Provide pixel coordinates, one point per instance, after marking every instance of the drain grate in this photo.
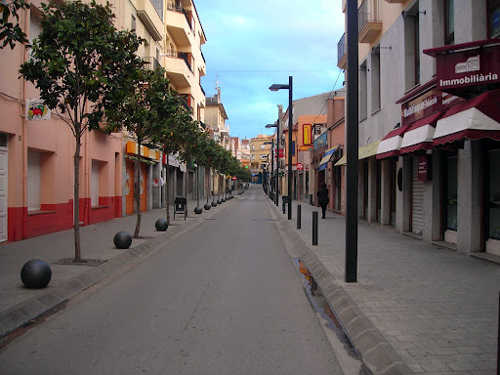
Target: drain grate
(83, 262)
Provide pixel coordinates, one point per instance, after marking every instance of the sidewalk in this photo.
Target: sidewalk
(416, 307)
(19, 305)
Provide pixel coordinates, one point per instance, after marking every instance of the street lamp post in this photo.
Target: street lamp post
(271, 183)
(277, 126)
(289, 87)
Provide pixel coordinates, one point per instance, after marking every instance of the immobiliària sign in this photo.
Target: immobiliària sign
(465, 67)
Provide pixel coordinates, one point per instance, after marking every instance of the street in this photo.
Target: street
(223, 299)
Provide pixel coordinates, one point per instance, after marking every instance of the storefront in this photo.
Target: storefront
(148, 159)
(449, 150)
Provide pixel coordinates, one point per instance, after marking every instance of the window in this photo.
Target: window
(94, 194)
(363, 92)
(34, 181)
(449, 22)
(412, 47)
(494, 18)
(133, 24)
(375, 79)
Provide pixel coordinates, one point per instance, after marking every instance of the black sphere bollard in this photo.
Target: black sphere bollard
(161, 225)
(36, 274)
(219, 201)
(207, 206)
(122, 240)
(198, 210)
(214, 204)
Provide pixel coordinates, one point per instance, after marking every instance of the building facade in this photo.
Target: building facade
(36, 163)
(430, 122)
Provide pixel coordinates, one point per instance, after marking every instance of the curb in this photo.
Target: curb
(25, 312)
(376, 352)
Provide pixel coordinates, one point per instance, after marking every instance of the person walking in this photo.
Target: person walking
(323, 198)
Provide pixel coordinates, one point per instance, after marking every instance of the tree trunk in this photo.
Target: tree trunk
(76, 197)
(206, 177)
(137, 189)
(167, 195)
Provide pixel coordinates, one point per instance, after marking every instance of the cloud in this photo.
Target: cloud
(252, 44)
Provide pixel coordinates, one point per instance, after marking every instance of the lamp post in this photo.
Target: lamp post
(271, 183)
(289, 87)
(277, 126)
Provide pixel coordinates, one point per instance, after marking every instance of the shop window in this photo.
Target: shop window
(34, 181)
(41, 179)
(94, 182)
(363, 92)
(451, 193)
(375, 79)
(493, 18)
(494, 187)
(449, 22)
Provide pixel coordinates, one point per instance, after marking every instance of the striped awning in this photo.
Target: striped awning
(475, 118)
(363, 153)
(326, 158)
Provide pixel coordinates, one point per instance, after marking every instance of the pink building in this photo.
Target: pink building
(36, 160)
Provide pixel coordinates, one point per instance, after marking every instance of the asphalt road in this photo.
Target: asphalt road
(223, 299)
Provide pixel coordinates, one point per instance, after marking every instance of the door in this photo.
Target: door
(417, 201)
(451, 200)
(3, 194)
(129, 188)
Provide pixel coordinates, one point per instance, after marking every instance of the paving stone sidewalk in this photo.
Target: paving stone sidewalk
(433, 309)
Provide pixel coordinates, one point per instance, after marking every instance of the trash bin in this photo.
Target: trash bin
(180, 206)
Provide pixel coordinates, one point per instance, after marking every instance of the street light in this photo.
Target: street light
(277, 126)
(271, 189)
(288, 87)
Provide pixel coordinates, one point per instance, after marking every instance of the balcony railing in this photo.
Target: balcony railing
(341, 48)
(179, 55)
(152, 63)
(369, 24)
(180, 9)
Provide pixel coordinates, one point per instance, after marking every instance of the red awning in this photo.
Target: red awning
(420, 134)
(391, 143)
(475, 118)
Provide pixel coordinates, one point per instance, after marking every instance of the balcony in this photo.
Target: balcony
(150, 18)
(342, 53)
(369, 25)
(179, 25)
(152, 63)
(179, 70)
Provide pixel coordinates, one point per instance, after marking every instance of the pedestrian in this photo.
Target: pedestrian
(323, 198)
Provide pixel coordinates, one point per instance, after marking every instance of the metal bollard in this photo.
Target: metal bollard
(299, 216)
(283, 206)
(315, 229)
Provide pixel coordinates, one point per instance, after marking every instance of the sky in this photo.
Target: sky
(252, 44)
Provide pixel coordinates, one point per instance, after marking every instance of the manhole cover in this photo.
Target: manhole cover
(83, 262)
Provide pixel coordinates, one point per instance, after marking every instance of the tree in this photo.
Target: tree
(82, 66)
(11, 33)
(142, 114)
(178, 126)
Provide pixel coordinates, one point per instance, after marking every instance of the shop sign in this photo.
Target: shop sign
(424, 168)
(307, 131)
(425, 105)
(36, 109)
(305, 148)
(281, 153)
(468, 67)
(300, 166)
